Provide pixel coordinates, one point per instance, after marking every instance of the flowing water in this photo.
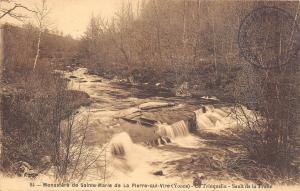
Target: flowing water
(130, 158)
(135, 151)
(178, 129)
(213, 120)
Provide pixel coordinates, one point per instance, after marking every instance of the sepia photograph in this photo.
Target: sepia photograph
(149, 95)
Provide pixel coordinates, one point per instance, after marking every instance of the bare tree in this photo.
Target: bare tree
(40, 15)
(77, 159)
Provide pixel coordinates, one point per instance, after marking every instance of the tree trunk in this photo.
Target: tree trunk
(158, 32)
(37, 50)
(184, 26)
(1, 84)
(214, 42)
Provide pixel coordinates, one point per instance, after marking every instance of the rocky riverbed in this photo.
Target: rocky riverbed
(155, 133)
(154, 137)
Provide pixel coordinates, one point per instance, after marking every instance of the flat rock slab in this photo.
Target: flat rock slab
(171, 115)
(155, 105)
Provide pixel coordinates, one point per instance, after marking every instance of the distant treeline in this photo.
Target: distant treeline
(167, 42)
(172, 42)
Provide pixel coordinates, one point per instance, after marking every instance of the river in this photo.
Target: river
(112, 102)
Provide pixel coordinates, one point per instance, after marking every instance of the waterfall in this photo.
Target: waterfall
(118, 149)
(178, 129)
(214, 117)
(211, 119)
(120, 144)
(202, 121)
(221, 112)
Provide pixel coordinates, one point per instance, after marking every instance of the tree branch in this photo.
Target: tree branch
(10, 11)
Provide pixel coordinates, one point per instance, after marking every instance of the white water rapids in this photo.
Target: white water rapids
(129, 158)
(136, 161)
